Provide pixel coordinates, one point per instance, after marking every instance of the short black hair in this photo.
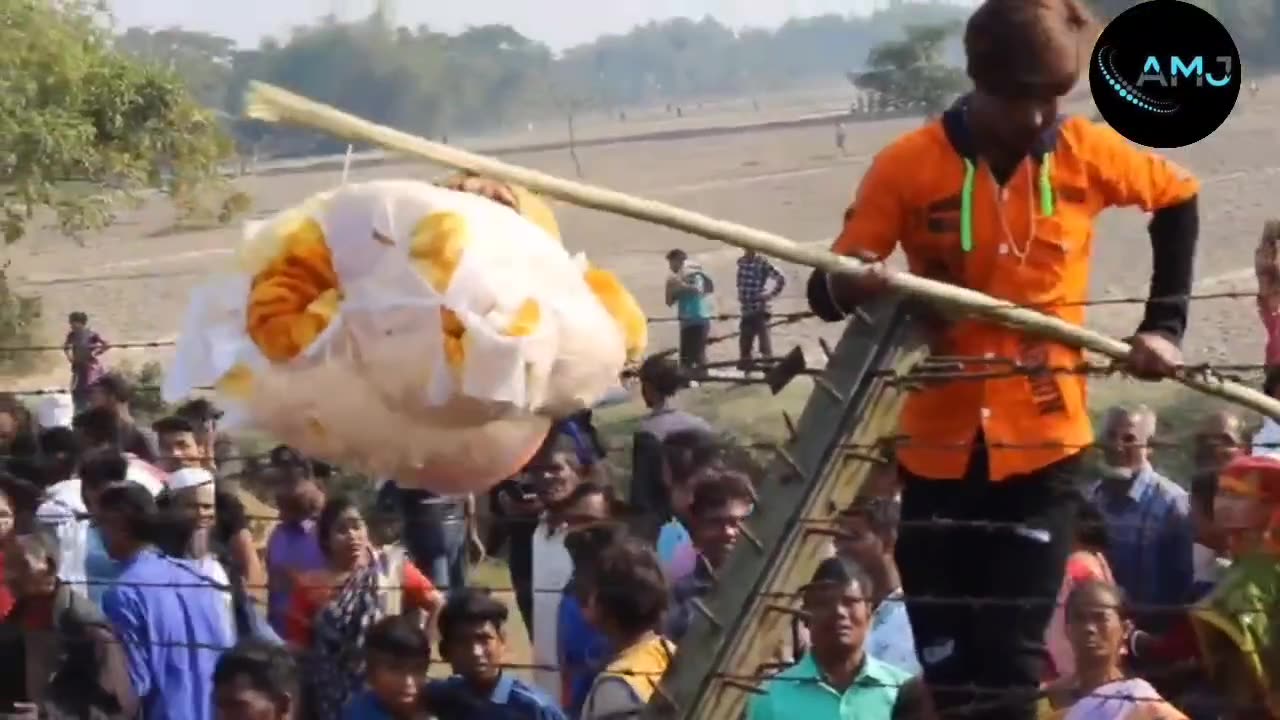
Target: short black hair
(881, 514)
(677, 254)
(715, 487)
(78, 316)
(839, 572)
(136, 506)
(688, 451)
(586, 544)
(470, 606)
(116, 386)
(1204, 488)
(59, 440)
(98, 426)
(198, 410)
(269, 668)
(399, 637)
(629, 587)
(663, 374)
(101, 468)
(334, 507)
(172, 425)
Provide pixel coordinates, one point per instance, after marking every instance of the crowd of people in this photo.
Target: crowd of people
(987, 569)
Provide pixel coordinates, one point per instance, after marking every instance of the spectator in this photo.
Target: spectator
(913, 702)
(836, 678)
(755, 273)
(1267, 440)
(627, 601)
(83, 349)
(97, 570)
(191, 504)
(177, 445)
(215, 447)
(293, 548)
(18, 440)
(689, 289)
(1218, 441)
(181, 447)
(331, 608)
(869, 528)
(397, 658)
(113, 393)
(8, 529)
(473, 641)
(1207, 555)
(1087, 563)
(256, 681)
(582, 649)
(438, 531)
(99, 428)
(685, 453)
(516, 508)
(660, 381)
(172, 626)
(1148, 517)
(1098, 628)
(584, 503)
(60, 653)
(60, 454)
(723, 499)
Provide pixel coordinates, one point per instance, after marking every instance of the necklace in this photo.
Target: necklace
(1020, 253)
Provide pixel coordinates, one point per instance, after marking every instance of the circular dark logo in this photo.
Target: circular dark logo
(1165, 74)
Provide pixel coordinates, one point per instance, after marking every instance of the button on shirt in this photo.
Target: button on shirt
(801, 691)
(1150, 538)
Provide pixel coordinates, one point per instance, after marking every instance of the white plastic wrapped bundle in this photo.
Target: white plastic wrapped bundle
(407, 330)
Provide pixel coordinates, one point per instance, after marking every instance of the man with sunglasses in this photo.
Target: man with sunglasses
(1148, 518)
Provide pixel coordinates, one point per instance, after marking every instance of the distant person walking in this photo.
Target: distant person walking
(83, 348)
(759, 282)
(689, 289)
(840, 138)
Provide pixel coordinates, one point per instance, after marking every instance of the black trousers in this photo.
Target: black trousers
(753, 329)
(693, 345)
(992, 650)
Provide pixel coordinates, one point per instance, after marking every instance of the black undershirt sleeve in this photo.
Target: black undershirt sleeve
(1174, 231)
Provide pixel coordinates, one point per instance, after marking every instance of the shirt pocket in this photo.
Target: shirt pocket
(1055, 268)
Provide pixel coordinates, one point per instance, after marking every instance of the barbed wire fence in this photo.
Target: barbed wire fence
(934, 370)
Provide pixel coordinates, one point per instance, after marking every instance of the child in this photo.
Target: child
(256, 681)
(397, 658)
(627, 603)
(82, 348)
(473, 640)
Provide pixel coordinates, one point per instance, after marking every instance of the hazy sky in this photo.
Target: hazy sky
(559, 23)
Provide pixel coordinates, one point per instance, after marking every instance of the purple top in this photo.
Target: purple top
(292, 549)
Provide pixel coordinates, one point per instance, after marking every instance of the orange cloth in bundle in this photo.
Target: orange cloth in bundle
(410, 331)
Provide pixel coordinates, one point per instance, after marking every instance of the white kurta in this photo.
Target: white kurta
(552, 568)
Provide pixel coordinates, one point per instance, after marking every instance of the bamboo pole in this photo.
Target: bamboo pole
(272, 104)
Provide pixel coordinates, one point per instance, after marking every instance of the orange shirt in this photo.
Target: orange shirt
(911, 196)
(313, 590)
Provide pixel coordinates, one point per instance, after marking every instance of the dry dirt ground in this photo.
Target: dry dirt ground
(134, 277)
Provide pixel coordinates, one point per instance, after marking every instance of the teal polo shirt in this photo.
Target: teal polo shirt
(801, 692)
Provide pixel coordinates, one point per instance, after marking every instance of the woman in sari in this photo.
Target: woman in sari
(1233, 634)
(332, 608)
(1102, 688)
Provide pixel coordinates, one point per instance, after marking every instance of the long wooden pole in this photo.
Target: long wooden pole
(272, 104)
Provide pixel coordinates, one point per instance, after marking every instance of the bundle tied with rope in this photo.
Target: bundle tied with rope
(272, 104)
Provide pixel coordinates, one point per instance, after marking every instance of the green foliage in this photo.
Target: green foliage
(145, 381)
(488, 77)
(912, 72)
(19, 326)
(80, 122)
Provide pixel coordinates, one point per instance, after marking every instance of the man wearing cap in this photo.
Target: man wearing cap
(836, 678)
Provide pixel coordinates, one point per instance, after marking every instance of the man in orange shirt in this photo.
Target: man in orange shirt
(1006, 208)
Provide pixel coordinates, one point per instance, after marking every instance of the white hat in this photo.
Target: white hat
(189, 478)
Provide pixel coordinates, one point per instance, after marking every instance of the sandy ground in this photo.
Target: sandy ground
(134, 277)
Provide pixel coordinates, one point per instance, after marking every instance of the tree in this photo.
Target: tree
(911, 71)
(81, 121)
